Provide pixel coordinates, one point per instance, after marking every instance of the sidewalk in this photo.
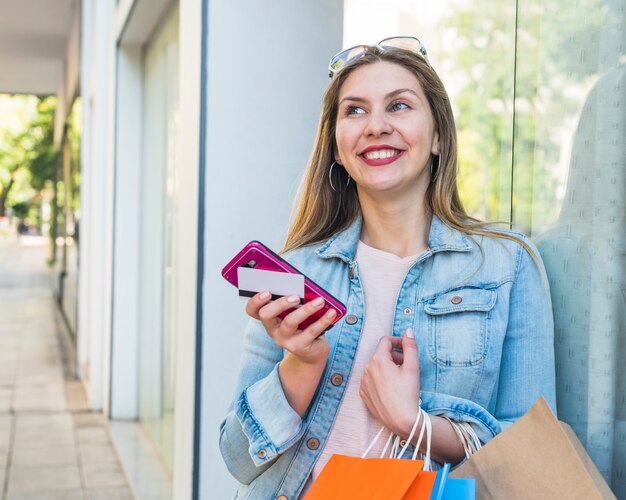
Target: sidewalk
(51, 446)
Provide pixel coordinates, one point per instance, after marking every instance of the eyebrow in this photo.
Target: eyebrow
(390, 95)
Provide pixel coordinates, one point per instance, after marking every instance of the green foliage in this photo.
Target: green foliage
(21, 209)
(43, 153)
(74, 134)
(522, 67)
(27, 152)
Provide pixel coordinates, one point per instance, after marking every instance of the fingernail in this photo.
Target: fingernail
(318, 301)
(293, 299)
(409, 333)
(331, 314)
(265, 295)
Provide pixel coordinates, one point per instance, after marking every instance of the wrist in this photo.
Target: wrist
(299, 364)
(405, 422)
(299, 381)
(316, 358)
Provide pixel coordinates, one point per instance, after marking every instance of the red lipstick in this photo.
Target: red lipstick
(377, 162)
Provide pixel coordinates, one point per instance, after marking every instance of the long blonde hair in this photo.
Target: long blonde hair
(323, 211)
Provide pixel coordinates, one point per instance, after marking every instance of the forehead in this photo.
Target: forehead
(378, 79)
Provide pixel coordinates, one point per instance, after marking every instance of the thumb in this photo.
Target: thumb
(410, 351)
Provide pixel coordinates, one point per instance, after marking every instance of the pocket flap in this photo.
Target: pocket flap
(465, 299)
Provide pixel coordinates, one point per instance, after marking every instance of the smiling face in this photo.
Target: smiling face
(385, 133)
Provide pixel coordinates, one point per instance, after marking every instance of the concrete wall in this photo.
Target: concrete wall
(94, 314)
(267, 69)
(68, 87)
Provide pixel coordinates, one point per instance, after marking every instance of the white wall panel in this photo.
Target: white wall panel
(267, 69)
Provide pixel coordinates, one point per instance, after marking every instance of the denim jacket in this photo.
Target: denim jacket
(482, 318)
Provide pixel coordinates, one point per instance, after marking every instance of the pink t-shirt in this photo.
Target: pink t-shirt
(381, 274)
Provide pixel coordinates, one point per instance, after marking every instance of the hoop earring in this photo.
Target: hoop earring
(330, 177)
(435, 169)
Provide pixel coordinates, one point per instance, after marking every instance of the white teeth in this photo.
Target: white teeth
(379, 154)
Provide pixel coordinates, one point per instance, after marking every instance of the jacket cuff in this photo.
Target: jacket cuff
(484, 423)
(267, 419)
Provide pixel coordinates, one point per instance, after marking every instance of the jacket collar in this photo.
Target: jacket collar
(441, 238)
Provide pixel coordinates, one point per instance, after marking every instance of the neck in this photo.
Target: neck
(399, 227)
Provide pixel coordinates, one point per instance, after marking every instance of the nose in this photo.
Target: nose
(378, 124)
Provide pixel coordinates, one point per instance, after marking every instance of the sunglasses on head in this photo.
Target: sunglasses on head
(411, 43)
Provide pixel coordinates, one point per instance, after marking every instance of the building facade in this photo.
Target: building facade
(198, 117)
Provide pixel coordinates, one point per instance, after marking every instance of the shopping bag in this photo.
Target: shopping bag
(537, 457)
(447, 488)
(349, 478)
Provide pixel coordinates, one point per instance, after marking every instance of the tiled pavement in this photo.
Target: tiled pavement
(51, 446)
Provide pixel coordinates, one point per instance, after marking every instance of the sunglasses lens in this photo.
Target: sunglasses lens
(398, 42)
(406, 43)
(341, 59)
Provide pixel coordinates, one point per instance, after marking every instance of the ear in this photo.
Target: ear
(337, 158)
(436, 148)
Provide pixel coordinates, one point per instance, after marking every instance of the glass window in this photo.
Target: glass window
(569, 187)
(158, 244)
(472, 48)
(539, 93)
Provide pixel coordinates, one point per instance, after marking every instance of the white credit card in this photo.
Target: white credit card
(252, 281)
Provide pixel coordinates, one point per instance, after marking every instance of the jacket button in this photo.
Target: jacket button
(313, 444)
(351, 319)
(408, 310)
(403, 443)
(456, 299)
(336, 379)
(351, 273)
(282, 497)
(261, 454)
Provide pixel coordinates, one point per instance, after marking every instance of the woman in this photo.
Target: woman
(442, 311)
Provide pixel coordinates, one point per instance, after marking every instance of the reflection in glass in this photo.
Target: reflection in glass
(569, 192)
(471, 45)
(539, 92)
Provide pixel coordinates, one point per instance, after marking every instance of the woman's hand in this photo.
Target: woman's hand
(308, 345)
(390, 386)
(301, 369)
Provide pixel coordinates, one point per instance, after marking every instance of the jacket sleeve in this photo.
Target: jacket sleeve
(527, 367)
(260, 423)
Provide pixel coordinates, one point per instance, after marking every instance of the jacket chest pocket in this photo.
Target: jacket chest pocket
(458, 323)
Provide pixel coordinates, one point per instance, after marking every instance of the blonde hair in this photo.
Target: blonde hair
(322, 212)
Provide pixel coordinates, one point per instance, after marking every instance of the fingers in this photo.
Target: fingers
(321, 325)
(409, 349)
(282, 330)
(273, 309)
(401, 350)
(385, 347)
(306, 343)
(294, 318)
(256, 303)
(260, 307)
(397, 357)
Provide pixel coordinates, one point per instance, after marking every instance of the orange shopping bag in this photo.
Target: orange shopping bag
(349, 478)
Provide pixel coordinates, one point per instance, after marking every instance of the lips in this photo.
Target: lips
(380, 155)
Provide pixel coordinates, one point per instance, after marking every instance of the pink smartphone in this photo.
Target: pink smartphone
(257, 256)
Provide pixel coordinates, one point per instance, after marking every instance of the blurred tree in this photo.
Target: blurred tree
(511, 105)
(44, 154)
(21, 209)
(27, 154)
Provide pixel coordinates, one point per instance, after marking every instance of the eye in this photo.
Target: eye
(398, 106)
(354, 110)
